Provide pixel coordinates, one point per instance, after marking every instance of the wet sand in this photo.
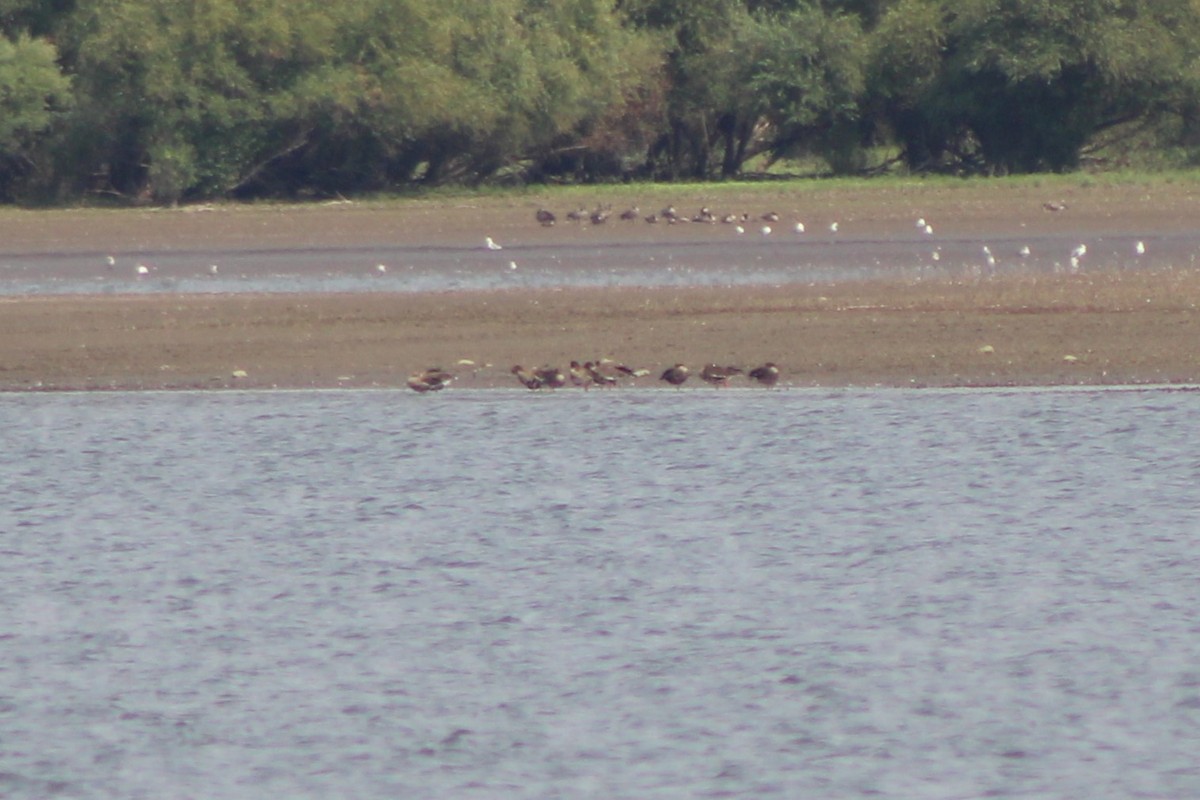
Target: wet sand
(1102, 327)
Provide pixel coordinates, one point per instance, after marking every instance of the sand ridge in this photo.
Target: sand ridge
(1101, 328)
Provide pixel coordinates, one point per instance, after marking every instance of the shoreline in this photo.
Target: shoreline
(1102, 329)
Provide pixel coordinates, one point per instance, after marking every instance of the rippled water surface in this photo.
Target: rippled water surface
(716, 256)
(923, 594)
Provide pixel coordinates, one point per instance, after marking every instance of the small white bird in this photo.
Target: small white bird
(112, 261)
(921, 223)
(987, 254)
(381, 268)
(833, 227)
(739, 229)
(1080, 251)
(1074, 264)
(928, 230)
(491, 245)
(799, 227)
(512, 265)
(937, 255)
(1140, 248)
(142, 269)
(213, 269)
(766, 230)
(1024, 251)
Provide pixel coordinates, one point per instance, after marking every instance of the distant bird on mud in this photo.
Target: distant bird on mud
(580, 376)
(599, 377)
(433, 379)
(551, 377)
(546, 218)
(540, 378)
(527, 377)
(490, 244)
(767, 374)
(675, 375)
(719, 376)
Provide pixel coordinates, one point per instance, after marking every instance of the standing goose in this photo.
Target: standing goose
(552, 377)
(601, 379)
(767, 374)
(719, 376)
(580, 376)
(527, 378)
(433, 379)
(675, 375)
(545, 217)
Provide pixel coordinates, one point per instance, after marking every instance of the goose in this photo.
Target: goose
(767, 374)
(580, 376)
(545, 217)
(552, 377)
(719, 376)
(527, 378)
(599, 378)
(433, 379)
(675, 375)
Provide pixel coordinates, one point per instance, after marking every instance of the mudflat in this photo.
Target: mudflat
(1093, 326)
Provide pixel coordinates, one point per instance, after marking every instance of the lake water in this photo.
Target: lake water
(644, 594)
(713, 256)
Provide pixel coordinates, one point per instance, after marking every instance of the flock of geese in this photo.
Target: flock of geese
(604, 373)
(668, 215)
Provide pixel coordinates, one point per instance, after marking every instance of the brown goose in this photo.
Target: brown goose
(630, 371)
(767, 374)
(675, 375)
(719, 376)
(529, 379)
(630, 214)
(433, 379)
(580, 376)
(545, 217)
(599, 378)
(551, 377)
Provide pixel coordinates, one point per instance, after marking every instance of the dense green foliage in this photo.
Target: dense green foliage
(161, 101)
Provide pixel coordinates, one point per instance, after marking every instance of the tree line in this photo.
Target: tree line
(161, 101)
